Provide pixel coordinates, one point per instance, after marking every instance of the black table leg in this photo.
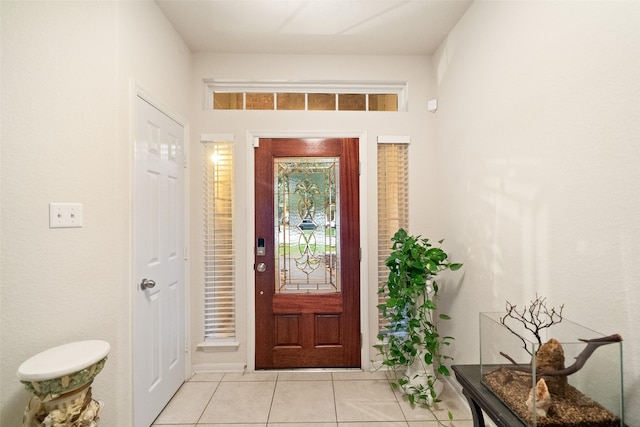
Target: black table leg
(482, 401)
(476, 412)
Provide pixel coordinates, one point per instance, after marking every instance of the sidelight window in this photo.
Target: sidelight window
(219, 257)
(393, 203)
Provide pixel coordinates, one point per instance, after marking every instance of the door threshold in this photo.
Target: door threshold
(311, 370)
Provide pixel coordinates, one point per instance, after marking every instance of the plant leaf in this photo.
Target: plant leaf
(455, 266)
(428, 358)
(429, 304)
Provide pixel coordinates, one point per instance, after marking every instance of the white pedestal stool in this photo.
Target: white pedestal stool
(60, 379)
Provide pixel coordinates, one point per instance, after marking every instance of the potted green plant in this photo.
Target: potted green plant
(411, 346)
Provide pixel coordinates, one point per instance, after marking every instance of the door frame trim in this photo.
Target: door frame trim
(136, 90)
(252, 138)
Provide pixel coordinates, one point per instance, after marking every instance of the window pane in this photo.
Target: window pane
(322, 101)
(393, 207)
(383, 102)
(352, 102)
(307, 227)
(219, 257)
(227, 101)
(260, 101)
(290, 101)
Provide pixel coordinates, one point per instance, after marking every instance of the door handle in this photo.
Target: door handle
(262, 267)
(147, 284)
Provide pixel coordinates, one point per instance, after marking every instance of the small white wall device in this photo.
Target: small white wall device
(432, 105)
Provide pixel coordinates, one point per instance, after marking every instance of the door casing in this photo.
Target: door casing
(253, 138)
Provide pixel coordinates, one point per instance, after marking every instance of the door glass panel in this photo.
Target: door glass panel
(307, 227)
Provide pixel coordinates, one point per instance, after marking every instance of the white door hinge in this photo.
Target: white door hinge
(185, 253)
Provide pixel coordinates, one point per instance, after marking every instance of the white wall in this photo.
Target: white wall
(66, 71)
(539, 162)
(417, 123)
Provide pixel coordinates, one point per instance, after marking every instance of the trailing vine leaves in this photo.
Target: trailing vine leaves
(411, 334)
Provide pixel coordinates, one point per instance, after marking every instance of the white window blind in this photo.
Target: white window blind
(393, 205)
(219, 259)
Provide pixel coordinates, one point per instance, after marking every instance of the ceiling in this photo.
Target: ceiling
(401, 27)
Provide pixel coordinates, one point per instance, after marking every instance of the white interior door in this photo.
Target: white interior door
(159, 302)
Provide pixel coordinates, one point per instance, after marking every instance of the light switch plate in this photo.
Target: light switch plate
(65, 215)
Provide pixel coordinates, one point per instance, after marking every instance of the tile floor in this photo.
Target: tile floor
(293, 399)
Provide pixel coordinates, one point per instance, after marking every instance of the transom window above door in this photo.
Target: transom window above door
(306, 96)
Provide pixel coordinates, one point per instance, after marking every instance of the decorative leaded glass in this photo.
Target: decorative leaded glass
(307, 225)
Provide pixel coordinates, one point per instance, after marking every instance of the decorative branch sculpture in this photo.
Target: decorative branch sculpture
(535, 318)
(581, 359)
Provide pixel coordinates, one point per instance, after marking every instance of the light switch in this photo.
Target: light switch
(65, 215)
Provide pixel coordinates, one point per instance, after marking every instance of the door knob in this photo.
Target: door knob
(262, 267)
(147, 284)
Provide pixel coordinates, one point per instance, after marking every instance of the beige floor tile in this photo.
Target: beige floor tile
(303, 401)
(465, 423)
(207, 376)
(359, 375)
(423, 413)
(375, 424)
(304, 376)
(366, 401)
(239, 402)
(303, 424)
(231, 425)
(250, 376)
(187, 404)
(451, 402)
(306, 398)
(454, 423)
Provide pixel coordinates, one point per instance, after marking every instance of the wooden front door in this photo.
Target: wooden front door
(307, 254)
